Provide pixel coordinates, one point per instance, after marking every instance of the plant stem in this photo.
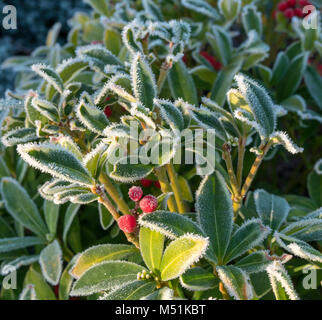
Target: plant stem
(253, 170)
(175, 187)
(241, 156)
(109, 206)
(165, 187)
(230, 168)
(114, 194)
(163, 75)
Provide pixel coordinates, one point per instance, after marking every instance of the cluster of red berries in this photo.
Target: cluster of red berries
(147, 183)
(292, 8)
(147, 204)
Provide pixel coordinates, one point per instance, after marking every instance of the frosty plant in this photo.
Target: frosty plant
(116, 106)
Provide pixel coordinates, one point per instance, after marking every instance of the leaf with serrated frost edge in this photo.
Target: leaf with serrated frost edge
(79, 174)
(181, 254)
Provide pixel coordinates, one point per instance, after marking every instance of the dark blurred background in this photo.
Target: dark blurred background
(34, 19)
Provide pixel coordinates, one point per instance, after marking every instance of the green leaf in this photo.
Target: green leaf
(223, 82)
(28, 293)
(100, 253)
(42, 288)
(105, 276)
(106, 219)
(215, 213)
(236, 282)
(151, 246)
(66, 281)
(202, 7)
(130, 169)
(293, 76)
(70, 214)
(14, 243)
(314, 184)
(272, 210)
(70, 69)
(181, 83)
(143, 81)
(170, 114)
(21, 207)
(249, 235)
(281, 282)
(56, 161)
(161, 294)
(260, 103)
(313, 82)
(181, 254)
(100, 59)
(198, 279)
(18, 136)
(280, 68)
(131, 291)
(47, 109)
(252, 19)
(51, 263)
(112, 40)
(91, 117)
(100, 6)
(51, 214)
(254, 262)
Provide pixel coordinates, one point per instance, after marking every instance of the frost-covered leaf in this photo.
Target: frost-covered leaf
(100, 6)
(180, 254)
(51, 262)
(171, 114)
(18, 136)
(69, 69)
(198, 279)
(313, 82)
(70, 214)
(314, 184)
(98, 254)
(49, 75)
(252, 19)
(203, 7)
(215, 212)
(28, 293)
(68, 143)
(66, 281)
(236, 282)
(161, 294)
(143, 81)
(281, 64)
(130, 169)
(272, 210)
(181, 83)
(106, 275)
(254, 262)
(46, 108)
(151, 246)
(280, 137)
(14, 243)
(260, 103)
(105, 217)
(281, 282)
(91, 117)
(21, 207)
(230, 9)
(100, 59)
(249, 235)
(131, 291)
(18, 262)
(56, 161)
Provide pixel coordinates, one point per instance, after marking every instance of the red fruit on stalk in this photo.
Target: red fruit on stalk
(108, 111)
(157, 184)
(282, 6)
(148, 204)
(146, 183)
(127, 223)
(304, 3)
(135, 193)
(289, 13)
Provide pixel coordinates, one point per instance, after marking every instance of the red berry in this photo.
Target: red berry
(185, 58)
(291, 3)
(157, 184)
(289, 13)
(304, 3)
(135, 193)
(127, 223)
(108, 111)
(282, 6)
(146, 183)
(149, 203)
(298, 12)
